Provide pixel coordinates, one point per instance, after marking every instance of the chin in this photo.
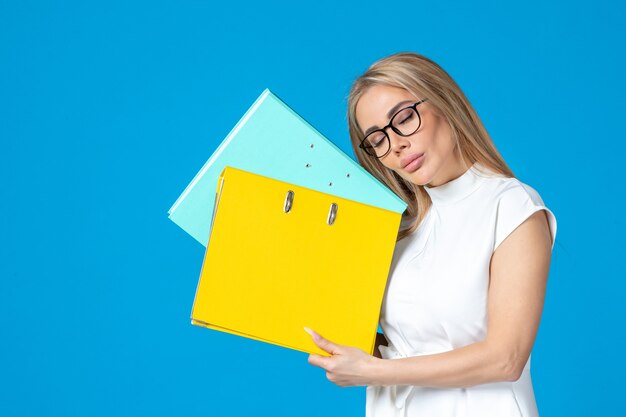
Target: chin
(423, 176)
(419, 178)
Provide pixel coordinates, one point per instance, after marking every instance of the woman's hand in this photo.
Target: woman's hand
(347, 366)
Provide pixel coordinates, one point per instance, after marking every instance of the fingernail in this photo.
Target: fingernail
(309, 331)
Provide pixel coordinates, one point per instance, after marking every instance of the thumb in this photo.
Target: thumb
(323, 343)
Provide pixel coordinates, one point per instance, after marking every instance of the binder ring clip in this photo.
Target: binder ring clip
(288, 201)
(332, 214)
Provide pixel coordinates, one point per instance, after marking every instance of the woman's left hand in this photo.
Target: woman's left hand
(347, 366)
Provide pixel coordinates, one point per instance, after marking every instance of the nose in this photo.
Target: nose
(397, 142)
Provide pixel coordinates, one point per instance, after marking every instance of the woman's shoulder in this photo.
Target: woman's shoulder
(500, 187)
(514, 202)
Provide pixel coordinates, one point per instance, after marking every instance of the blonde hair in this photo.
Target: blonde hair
(424, 79)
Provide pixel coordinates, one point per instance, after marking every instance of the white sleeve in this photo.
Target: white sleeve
(516, 204)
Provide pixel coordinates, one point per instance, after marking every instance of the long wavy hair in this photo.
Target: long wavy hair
(424, 79)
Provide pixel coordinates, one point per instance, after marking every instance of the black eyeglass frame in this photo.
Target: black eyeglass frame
(365, 147)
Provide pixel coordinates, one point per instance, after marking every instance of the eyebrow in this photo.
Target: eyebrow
(390, 113)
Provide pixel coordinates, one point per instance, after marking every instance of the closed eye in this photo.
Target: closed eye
(376, 139)
(406, 116)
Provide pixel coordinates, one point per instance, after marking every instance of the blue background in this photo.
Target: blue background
(108, 109)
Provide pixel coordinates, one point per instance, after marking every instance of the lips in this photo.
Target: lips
(412, 162)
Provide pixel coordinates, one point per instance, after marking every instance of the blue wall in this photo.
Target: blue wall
(108, 109)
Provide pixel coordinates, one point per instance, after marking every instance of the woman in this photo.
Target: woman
(467, 282)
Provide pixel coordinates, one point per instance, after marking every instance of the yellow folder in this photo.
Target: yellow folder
(281, 257)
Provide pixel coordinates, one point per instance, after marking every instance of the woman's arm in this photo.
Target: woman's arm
(518, 275)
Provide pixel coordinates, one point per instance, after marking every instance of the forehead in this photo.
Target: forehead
(373, 106)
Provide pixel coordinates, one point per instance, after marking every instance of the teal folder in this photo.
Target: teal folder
(274, 141)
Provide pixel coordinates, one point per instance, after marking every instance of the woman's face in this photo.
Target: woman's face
(428, 156)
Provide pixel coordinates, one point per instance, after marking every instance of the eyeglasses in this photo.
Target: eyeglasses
(405, 122)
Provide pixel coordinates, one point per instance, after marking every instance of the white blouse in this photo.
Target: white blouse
(436, 296)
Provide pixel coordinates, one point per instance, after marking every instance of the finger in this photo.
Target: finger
(324, 344)
(318, 360)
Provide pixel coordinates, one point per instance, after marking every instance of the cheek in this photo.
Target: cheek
(443, 138)
(439, 125)
(386, 163)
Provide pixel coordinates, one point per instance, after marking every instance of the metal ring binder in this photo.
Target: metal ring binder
(288, 201)
(332, 214)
